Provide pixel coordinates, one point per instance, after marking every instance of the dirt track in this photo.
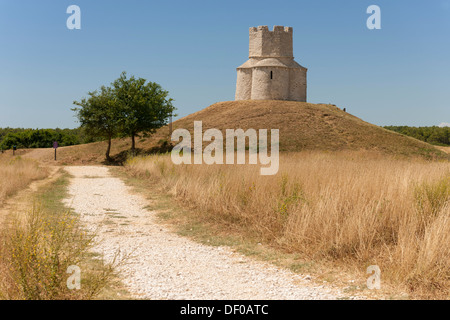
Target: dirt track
(165, 265)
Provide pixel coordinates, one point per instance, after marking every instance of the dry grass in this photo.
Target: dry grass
(355, 208)
(38, 245)
(36, 252)
(16, 173)
(303, 126)
(306, 126)
(445, 149)
(79, 154)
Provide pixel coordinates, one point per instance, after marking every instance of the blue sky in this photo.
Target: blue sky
(399, 75)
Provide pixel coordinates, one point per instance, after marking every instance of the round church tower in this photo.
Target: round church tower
(271, 72)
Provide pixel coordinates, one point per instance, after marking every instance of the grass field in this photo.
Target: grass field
(40, 238)
(303, 127)
(355, 208)
(347, 191)
(16, 173)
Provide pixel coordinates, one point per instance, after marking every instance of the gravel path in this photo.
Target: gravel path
(167, 266)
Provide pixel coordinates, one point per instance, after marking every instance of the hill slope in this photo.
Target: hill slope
(306, 126)
(303, 126)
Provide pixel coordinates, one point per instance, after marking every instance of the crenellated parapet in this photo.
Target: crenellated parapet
(271, 72)
(275, 29)
(266, 43)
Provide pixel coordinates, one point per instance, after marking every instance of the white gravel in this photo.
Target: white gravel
(167, 266)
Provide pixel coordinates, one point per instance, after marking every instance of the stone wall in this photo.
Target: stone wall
(267, 86)
(265, 43)
(271, 72)
(244, 84)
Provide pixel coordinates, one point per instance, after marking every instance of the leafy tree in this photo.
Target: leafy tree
(99, 115)
(144, 106)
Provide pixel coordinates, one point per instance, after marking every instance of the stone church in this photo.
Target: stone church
(271, 72)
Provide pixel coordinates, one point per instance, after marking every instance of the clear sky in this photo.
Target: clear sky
(399, 75)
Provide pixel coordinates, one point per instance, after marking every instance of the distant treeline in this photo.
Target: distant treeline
(41, 138)
(433, 135)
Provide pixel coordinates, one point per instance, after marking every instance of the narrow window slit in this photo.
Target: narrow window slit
(271, 75)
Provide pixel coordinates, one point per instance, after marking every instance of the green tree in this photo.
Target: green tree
(100, 115)
(144, 106)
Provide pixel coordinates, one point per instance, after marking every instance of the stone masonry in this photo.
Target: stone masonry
(271, 72)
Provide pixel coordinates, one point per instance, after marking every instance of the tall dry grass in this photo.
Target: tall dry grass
(38, 246)
(36, 251)
(16, 173)
(358, 208)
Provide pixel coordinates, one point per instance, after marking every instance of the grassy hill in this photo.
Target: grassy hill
(303, 126)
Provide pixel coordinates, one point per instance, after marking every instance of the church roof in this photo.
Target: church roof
(271, 62)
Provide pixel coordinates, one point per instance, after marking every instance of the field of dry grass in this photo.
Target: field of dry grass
(40, 239)
(303, 126)
(347, 191)
(355, 208)
(16, 173)
(445, 149)
(306, 126)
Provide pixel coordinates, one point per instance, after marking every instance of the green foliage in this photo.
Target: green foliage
(433, 135)
(99, 115)
(128, 108)
(41, 138)
(144, 106)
